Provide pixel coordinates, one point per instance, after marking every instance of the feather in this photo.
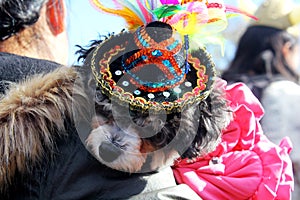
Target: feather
(133, 6)
(132, 18)
(197, 19)
(145, 12)
(236, 10)
(167, 11)
(151, 5)
(192, 16)
(169, 2)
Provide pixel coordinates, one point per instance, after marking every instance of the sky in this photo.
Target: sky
(86, 23)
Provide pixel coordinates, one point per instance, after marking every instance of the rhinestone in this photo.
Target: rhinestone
(151, 96)
(137, 92)
(177, 90)
(125, 83)
(167, 63)
(118, 72)
(166, 94)
(188, 84)
(157, 53)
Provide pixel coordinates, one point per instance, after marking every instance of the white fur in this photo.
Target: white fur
(131, 159)
(160, 159)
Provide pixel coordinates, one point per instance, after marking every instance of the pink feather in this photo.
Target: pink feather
(173, 2)
(236, 10)
(145, 12)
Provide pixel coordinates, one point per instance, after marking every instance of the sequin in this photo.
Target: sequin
(166, 94)
(125, 83)
(177, 90)
(151, 96)
(188, 84)
(137, 92)
(118, 72)
(157, 53)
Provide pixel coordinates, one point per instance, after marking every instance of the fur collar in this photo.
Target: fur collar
(32, 115)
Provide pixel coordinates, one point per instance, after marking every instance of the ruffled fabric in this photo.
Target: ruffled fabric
(245, 165)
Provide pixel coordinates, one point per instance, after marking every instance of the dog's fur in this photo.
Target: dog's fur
(201, 123)
(33, 112)
(125, 142)
(198, 128)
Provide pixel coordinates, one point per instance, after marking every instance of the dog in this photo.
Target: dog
(137, 140)
(124, 147)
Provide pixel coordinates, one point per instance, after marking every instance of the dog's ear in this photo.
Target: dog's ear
(215, 115)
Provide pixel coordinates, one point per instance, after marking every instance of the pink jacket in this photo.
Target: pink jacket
(245, 165)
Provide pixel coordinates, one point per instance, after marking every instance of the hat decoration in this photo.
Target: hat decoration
(158, 63)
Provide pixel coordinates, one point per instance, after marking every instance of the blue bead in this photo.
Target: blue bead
(157, 53)
(167, 63)
(172, 46)
(137, 92)
(187, 68)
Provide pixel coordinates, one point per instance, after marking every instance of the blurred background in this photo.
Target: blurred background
(86, 23)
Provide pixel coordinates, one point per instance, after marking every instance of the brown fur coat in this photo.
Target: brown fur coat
(31, 112)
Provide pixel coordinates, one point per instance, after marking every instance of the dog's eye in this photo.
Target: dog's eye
(107, 137)
(118, 143)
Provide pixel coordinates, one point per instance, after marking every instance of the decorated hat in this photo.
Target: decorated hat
(279, 14)
(160, 62)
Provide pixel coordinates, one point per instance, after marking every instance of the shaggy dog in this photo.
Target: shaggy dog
(189, 134)
(133, 140)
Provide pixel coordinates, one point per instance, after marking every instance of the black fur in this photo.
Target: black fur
(212, 116)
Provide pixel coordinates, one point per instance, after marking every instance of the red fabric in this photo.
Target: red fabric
(245, 165)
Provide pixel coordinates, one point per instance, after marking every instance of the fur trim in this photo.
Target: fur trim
(32, 114)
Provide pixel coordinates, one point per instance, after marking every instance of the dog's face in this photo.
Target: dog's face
(121, 144)
(188, 134)
(119, 149)
(129, 72)
(124, 149)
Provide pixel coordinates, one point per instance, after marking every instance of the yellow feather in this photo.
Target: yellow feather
(132, 20)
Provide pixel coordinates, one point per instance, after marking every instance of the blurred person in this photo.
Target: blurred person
(267, 60)
(33, 38)
(34, 29)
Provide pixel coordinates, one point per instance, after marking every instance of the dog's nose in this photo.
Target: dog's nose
(109, 152)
